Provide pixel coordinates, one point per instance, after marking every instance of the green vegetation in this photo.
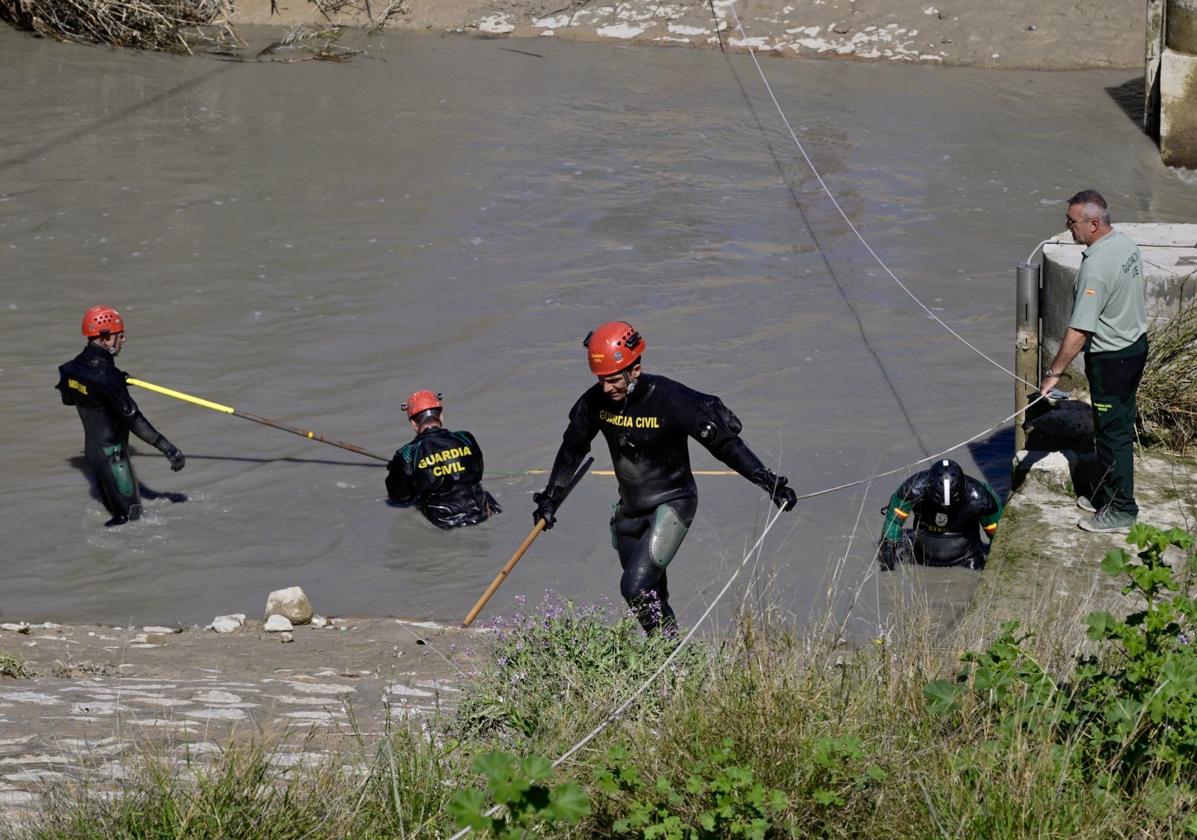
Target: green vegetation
(1168, 392)
(1065, 727)
(10, 666)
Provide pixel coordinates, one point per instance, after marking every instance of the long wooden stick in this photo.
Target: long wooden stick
(245, 415)
(524, 546)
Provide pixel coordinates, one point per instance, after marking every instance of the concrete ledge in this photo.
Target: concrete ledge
(1042, 562)
(1169, 266)
(1178, 109)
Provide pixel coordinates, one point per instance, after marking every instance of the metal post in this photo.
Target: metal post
(1026, 341)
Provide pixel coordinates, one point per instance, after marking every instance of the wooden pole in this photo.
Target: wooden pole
(524, 546)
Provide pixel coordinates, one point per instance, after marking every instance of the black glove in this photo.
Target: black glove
(546, 506)
(887, 554)
(775, 485)
(176, 458)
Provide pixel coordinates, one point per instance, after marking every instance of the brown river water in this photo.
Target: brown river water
(312, 241)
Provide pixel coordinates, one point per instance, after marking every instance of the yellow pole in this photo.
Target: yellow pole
(245, 415)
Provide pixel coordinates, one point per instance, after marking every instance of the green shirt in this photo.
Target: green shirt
(1109, 294)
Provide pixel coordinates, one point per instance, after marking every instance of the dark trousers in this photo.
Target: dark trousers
(644, 584)
(1113, 380)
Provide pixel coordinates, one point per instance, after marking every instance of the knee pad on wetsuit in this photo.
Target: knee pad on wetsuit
(666, 535)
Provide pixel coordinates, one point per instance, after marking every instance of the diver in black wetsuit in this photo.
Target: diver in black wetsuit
(647, 421)
(947, 510)
(96, 387)
(439, 469)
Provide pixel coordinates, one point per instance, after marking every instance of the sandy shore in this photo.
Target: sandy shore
(1051, 34)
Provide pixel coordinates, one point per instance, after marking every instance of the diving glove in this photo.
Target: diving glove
(775, 485)
(887, 554)
(546, 506)
(172, 453)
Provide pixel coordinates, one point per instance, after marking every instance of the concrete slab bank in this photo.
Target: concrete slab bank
(1041, 564)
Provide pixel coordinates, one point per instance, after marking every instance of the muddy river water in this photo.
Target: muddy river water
(312, 241)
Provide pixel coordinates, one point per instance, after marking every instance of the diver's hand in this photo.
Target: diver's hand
(546, 508)
(776, 486)
(177, 459)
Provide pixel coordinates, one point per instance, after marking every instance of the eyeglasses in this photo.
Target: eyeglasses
(1071, 222)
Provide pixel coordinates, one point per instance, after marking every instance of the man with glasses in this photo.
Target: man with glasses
(96, 387)
(1109, 322)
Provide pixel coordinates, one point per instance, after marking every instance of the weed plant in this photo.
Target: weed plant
(557, 670)
(1058, 727)
(1167, 396)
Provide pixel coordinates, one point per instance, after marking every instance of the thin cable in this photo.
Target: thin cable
(631, 698)
(819, 177)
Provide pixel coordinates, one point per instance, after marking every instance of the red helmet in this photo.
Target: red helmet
(421, 401)
(613, 347)
(102, 320)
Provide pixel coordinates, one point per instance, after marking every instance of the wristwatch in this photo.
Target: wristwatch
(1049, 373)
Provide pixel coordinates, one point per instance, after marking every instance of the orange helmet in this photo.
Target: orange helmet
(421, 401)
(102, 320)
(613, 347)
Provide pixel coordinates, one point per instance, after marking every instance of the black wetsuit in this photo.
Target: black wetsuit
(942, 535)
(96, 387)
(442, 471)
(648, 437)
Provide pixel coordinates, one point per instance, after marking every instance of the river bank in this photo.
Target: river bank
(1025, 34)
(97, 698)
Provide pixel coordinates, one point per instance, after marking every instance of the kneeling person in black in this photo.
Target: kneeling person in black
(647, 422)
(96, 387)
(947, 510)
(440, 470)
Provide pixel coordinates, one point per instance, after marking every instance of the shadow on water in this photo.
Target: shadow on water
(994, 455)
(249, 460)
(1128, 96)
(119, 116)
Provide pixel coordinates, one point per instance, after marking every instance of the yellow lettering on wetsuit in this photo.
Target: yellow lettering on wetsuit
(448, 469)
(77, 385)
(443, 456)
(626, 422)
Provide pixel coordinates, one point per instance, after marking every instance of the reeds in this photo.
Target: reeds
(161, 25)
(1168, 392)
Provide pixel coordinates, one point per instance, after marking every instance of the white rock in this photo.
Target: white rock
(286, 637)
(319, 621)
(165, 631)
(277, 624)
(290, 603)
(224, 624)
(15, 628)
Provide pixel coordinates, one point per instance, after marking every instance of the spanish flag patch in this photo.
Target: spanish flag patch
(1090, 292)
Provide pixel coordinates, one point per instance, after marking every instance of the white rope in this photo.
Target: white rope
(758, 545)
(819, 177)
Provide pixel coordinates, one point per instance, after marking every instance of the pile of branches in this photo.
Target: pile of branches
(163, 25)
(1168, 393)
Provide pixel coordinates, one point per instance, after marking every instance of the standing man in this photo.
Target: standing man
(96, 387)
(647, 421)
(947, 511)
(440, 470)
(1109, 322)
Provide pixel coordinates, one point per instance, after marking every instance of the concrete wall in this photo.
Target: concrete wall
(1169, 267)
(1170, 68)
